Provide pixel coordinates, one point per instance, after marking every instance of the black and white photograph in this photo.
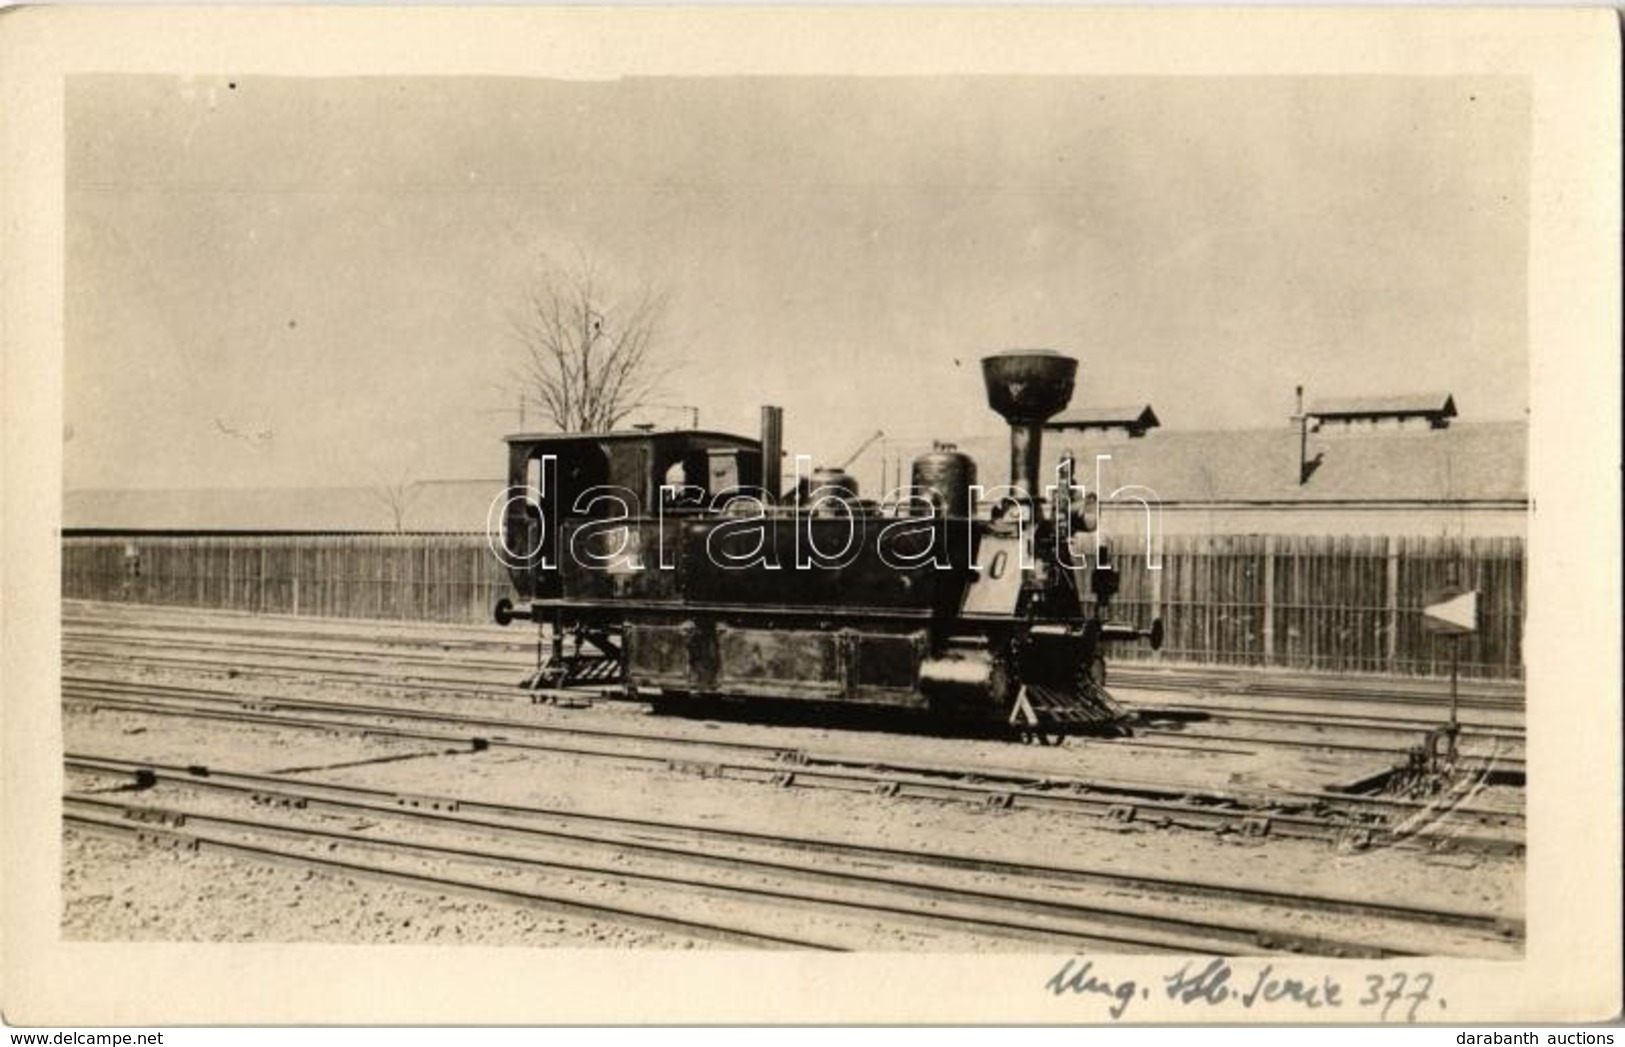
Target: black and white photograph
(1078, 521)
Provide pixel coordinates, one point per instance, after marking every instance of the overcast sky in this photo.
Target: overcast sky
(306, 282)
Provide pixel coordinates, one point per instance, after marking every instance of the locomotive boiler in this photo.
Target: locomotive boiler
(678, 566)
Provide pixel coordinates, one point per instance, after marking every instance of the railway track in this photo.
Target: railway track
(1204, 711)
(369, 634)
(1343, 819)
(464, 842)
(1190, 719)
(1191, 727)
(1383, 739)
(439, 673)
(455, 664)
(1286, 683)
(97, 822)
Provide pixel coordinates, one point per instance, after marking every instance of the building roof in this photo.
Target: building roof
(1471, 462)
(1135, 419)
(700, 437)
(1466, 463)
(1441, 405)
(425, 506)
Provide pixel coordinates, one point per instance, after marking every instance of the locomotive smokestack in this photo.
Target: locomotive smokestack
(1028, 387)
(773, 451)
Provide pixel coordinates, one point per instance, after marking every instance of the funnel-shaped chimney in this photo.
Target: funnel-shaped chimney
(1028, 387)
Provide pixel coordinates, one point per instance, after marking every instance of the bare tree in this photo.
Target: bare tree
(397, 498)
(586, 350)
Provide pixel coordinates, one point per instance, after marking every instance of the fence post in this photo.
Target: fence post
(1269, 599)
(1157, 595)
(1392, 594)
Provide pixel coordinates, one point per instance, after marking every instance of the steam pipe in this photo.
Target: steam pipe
(1026, 457)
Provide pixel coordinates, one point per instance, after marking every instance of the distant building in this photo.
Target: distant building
(1468, 479)
(1433, 410)
(1135, 421)
(1358, 468)
(430, 506)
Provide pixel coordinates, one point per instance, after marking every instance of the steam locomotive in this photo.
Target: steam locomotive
(677, 566)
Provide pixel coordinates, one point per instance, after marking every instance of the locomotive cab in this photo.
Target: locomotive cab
(559, 481)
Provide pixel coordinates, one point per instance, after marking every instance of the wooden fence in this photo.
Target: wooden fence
(437, 578)
(1341, 604)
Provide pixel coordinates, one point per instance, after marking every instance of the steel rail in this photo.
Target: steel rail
(1166, 739)
(1193, 712)
(1170, 737)
(300, 650)
(1203, 739)
(786, 766)
(555, 904)
(972, 911)
(1133, 674)
(629, 832)
(426, 635)
(371, 663)
(1199, 735)
(332, 674)
(80, 685)
(1122, 805)
(1500, 696)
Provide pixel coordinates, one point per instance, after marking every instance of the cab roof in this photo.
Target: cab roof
(696, 436)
